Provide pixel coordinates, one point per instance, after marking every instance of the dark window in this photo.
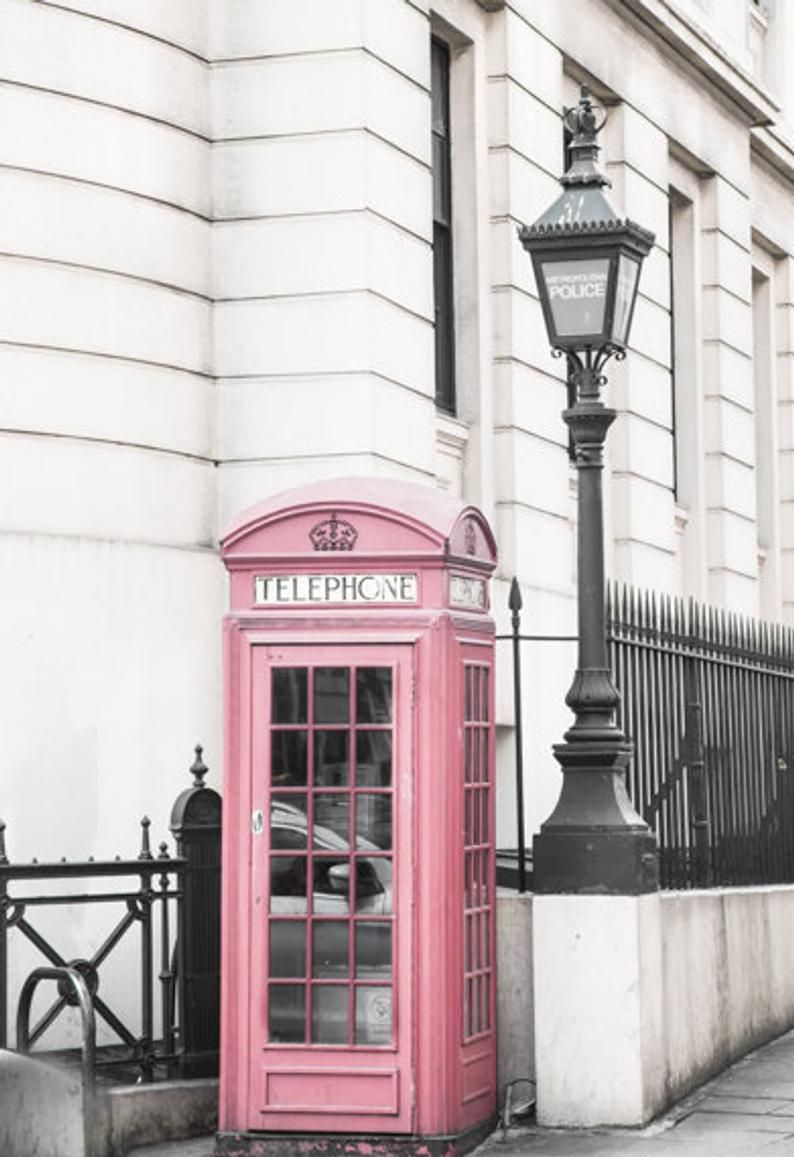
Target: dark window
(442, 229)
(671, 220)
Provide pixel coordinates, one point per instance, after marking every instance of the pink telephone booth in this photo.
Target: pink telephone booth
(358, 861)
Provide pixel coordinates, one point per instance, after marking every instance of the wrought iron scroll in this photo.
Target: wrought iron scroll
(144, 884)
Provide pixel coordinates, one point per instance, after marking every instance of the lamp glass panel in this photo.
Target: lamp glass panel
(628, 273)
(577, 294)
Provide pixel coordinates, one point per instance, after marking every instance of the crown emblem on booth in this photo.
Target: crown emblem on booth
(333, 534)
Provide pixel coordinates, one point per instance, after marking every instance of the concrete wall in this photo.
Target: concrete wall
(515, 1016)
(728, 984)
(42, 1109)
(638, 1000)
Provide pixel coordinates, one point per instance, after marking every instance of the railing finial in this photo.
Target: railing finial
(198, 768)
(3, 856)
(515, 602)
(146, 851)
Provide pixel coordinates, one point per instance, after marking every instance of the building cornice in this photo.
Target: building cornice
(676, 32)
(775, 149)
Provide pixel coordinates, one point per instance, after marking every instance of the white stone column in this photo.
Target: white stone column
(728, 409)
(643, 546)
(322, 243)
(785, 385)
(598, 1004)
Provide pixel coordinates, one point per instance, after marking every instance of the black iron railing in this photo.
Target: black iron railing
(514, 869)
(140, 887)
(708, 700)
(170, 904)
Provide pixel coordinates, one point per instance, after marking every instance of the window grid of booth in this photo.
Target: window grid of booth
(478, 898)
(331, 922)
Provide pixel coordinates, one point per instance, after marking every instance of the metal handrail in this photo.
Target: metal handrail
(72, 977)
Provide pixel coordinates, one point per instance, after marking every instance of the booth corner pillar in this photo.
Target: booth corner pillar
(358, 943)
(596, 916)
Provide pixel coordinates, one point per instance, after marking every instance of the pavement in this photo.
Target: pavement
(746, 1110)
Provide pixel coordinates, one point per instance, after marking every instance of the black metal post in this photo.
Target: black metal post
(166, 971)
(3, 943)
(515, 604)
(196, 825)
(147, 953)
(594, 841)
(696, 769)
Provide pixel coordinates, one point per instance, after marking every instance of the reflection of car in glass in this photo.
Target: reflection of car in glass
(331, 875)
(333, 952)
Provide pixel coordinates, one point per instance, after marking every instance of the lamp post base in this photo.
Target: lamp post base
(594, 842)
(596, 862)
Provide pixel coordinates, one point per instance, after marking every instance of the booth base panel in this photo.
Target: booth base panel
(230, 1144)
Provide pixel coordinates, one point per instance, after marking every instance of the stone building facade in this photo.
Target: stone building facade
(217, 238)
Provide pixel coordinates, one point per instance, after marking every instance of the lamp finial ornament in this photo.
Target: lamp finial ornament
(584, 122)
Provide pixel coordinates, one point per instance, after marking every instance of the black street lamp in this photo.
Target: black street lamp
(587, 265)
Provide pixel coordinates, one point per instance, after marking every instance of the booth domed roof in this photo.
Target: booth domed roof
(423, 505)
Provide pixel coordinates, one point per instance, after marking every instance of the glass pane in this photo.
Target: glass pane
(628, 272)
(330, 948)
(485, 988)
(439, 86)
(288, 758)
(486, 693)
(467, 947)
(288, 884)
(484, 882)
(331, 760)
(475, 1005)
(373, 759)
(373, 820)
(467, 685)
(467, 879)
(373, 1015)
(467, 826)
(484, 764)
(475, 742)
(373, 950)
(476, 707)
(287, 821)
(287, 948)
(467, 1009)
(332, 821)
(373, 885)
(475, 879)
(442, 185)
(577, 292)
(329, 1014)
(486, 939)
(289, 695)
(467, 754)
(331, 695)
(373, 695)
(288, 1013)
(331, 893)
(444, 329)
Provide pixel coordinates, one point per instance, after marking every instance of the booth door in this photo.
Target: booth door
(331, 995)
